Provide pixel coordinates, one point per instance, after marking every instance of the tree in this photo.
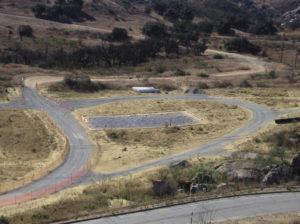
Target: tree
(118, 34)
(199, 48)
(172, 15)
(25, 31)
(39, 10)
(263, 28)
(205, 27)
(171, 47)
(224, 27)
(159, 6)
(155, 30)
(241, 45)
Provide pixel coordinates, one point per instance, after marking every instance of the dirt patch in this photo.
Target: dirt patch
(125, 148)
(28, 143)
(275, 98)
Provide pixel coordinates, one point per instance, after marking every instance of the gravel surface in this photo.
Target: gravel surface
(140, 121)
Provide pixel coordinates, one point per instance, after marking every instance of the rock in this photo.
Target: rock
(222, 185)
(180, 164)
(272, 177)
(198, 188)
(296, 164)
(186, 185)
(240, 170)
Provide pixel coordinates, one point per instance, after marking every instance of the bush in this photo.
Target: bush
(245, 84)
(218, 56)
(223, 84)
(263, 28)
(202, 85)
(82, 83)
(118, 34)
(155, 30)
(25, 31)
(241, 45)
(203, 75)
(3, 220)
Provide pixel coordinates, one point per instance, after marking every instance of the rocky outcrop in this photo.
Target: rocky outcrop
(272, 177)
(240, 170)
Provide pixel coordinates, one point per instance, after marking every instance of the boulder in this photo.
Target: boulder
(296, 164)
(198, 188)
(222, 185)
(272, 177)
(240, 170)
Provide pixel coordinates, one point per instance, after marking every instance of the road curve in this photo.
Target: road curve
(210, 210)
(261, 116)
(81, 148)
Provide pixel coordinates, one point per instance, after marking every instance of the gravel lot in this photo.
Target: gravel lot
(140, 121)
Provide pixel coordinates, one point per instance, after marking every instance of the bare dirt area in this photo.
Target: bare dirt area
(125, 148)
(275, 98)
(281, 218)
(28, 144)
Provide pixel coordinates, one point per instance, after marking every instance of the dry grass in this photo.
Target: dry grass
(125, 148)
(7, 94)
(28, 143)
(275, 98)
(268, 137)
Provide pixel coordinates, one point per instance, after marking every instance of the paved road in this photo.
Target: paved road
(261, 116)
(80, 147)
(212, 210)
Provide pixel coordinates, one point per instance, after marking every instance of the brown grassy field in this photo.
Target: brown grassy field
(131, 147)
(275, 98)
(28, 143)
(269, 137)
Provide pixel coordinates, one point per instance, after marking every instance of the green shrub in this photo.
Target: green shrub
(203, 75)
(3, 220)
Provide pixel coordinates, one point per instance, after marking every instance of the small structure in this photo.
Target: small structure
(145, 89)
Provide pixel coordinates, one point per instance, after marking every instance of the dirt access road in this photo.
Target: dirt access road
(256, 66)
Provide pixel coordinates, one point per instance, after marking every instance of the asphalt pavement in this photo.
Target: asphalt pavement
(210, 210)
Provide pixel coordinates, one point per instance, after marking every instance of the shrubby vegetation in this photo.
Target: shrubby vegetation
(118, 35)
(61, 11)
(241, 45)
(25, 31)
